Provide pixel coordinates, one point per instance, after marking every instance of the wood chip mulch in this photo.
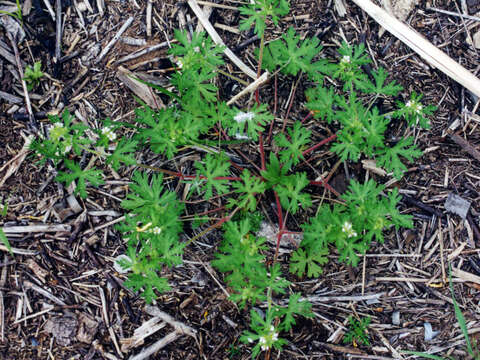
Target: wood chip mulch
(60, 296)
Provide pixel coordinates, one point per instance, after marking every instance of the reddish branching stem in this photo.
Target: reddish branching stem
(321, 143)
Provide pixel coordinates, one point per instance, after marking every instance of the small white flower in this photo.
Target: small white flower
(157, 230)
(241, 117)
(250, 340)
(262, 340)
(347, 228)
(58, 125)
(272, 328)
(346, 59)
(67, 149)
(417, 107)
(265, 348)
(108, 132)
(275, 337)
(239, 136)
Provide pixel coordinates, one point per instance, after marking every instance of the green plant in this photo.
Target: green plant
(471, 347)
(3, 237)
(151, 228)
(17, 14)
(197, 118)
(33, 75)
(357, 331)
(4, 240)
(67, 139)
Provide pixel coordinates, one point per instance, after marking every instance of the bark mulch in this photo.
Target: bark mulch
(60, 296)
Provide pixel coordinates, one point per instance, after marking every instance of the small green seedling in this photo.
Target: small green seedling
(3, 237)
(357, 331)
(33, 75)
(17, 14)
(472, 348)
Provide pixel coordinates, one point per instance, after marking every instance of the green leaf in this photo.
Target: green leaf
(248, 188)
(321, 101)
(259, 11)
(309, 262)
(163, 132)
(424, 355)
(379, 87)
(390, 157)
(349, 67)
(274, 173)
(290, 192)
(346, 146)
(458, 314)
(296, 306)
(123, 154)
(194, 86)
(414, 111)
(94, 177)
(210, 175)
(299, 137)
(241, 257)
(292, 55)
(147, 283)
(252, 122)
(398, 219)
(149, 197)
(357, 331)
(359, 194)
(275, 281)
(33, 75)
(5, 241)
(198, 53)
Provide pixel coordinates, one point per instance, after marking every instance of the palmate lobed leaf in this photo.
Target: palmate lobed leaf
(93, 176)
(379, 87)
(209, 175)
(249, 123)
(294, 145)
(292, 55)
(390, 157)
(296, 306)
(247, 189)
(123, 153)
(308, 262)
(198, 53)
(290, 192)
(259, 11)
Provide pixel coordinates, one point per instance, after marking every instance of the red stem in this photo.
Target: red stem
(307, 117)
(326, 186)
(262, 153)
(321, 143)
(191, 177)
